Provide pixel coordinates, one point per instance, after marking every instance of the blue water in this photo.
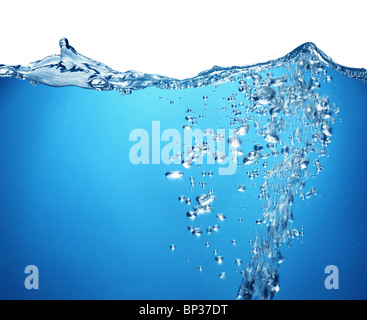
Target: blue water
(99, 227)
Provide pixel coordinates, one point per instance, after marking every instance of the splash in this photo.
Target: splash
(292, 121)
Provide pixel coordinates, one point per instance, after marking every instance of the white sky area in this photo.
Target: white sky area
(181, 38)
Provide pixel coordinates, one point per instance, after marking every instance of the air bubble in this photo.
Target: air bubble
(242, 130)
(272, 138)
(191, 215)
(219, 259)
(219, 157)
(251, 157)
(264, 95)
(174, 175)
(241, 188)
(197, 232)
(234, 142)
(221, 216)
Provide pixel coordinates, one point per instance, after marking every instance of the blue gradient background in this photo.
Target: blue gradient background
(99, 227)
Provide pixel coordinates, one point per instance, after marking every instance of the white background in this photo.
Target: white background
(181, 38)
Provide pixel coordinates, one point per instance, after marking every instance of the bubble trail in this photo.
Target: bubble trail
(311, 117)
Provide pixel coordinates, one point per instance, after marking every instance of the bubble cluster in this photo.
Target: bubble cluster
(293, 125)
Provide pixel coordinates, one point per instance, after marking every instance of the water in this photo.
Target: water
(255, 208)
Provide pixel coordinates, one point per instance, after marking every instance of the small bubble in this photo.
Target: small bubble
(258, 221)
(234, 142)
(197, 232)
(221, 216)
(241, 188)
(174, 175)
(186, 127)
(219, 137)
(222, 275)
(191, 215)
(271, 138)
(186, 163)
(172, 247)
(219, 259)
(258, 147)
(264, 95)
(242, 130)
(209, 132)
(219, 156)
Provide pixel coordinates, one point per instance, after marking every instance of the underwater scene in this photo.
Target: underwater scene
(243, 182)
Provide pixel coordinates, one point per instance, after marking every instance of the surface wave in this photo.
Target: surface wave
(70, 68)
